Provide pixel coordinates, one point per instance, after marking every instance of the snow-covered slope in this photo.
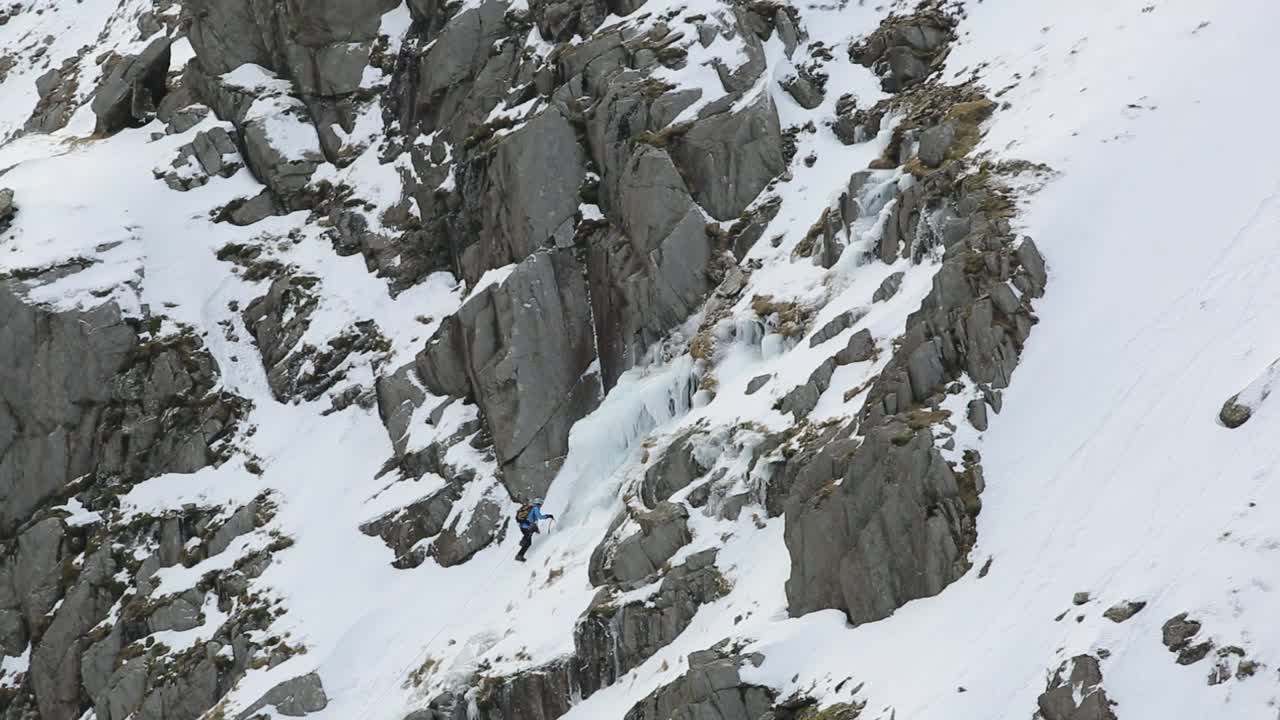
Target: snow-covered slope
(746, 291)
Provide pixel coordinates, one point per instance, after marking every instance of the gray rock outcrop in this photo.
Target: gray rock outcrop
(8, 208)
(323, 46)
(523, 348)
(55, 376)
(292, 698)
(712, 689)
(730, 157)
(803, 399)
(896, 528)
(403, 529)
(673, 471)
(511, 218)
(662, 532)
(888, 288)
(1122, 611)
(459, 542)
(133, 88)
(609, 640)
(651, 273)
(1075, 692)
(905, 49)
(82, 395)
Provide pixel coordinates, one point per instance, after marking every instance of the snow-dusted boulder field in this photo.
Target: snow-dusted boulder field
(894, 361)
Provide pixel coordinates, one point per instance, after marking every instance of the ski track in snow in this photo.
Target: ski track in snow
(1106, 471)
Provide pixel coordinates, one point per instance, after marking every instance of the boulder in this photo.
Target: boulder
(1122, 611)
(179, 614)
(743, 76)
(747, 230)
(216, 151)
(292, 698)
(1177, 634)
(8, 208)
(132, 89)
(935, 142)
(757, 382)
(860, 348)
(241, 522)
(835, 326)
(247, 211)
(1032, 274)
(888, 288)
(805, 89)
(1075, 693)
(283, 152)
(459, 542)
(803, 399)
(976, 413)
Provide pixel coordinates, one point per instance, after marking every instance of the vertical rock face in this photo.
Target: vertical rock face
(91, 403)
(524, 348)
(651, 273)
(730, 157)
(30, 583)
(896, 528)
(55, 662)
(55, 383)
(323, 45)
(510, 216)
(457, 81)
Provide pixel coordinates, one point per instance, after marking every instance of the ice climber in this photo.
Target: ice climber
(527, 518)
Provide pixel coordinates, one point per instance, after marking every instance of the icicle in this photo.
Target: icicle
(643, 399)
(771, 346)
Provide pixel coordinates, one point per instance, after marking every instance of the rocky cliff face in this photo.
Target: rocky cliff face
(738, 288)
(596, 200)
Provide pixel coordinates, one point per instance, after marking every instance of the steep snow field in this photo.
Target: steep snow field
(1107, 470)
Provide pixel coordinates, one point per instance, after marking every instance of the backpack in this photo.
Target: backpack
(522, 515)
